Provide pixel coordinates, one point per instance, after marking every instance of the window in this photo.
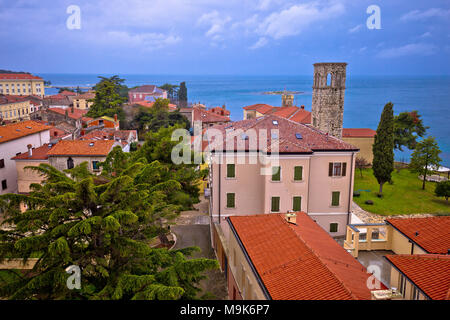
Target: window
(335, 198)
(328, 79)
(230, 200)
(275, 204)
(402, 285)
(276, 173)
(297, 203)
(298, 173)
(337, 169)
(2, 163)
(70, 163)
(333, 227)
(4, 184)
(231, 170)
(415, 293)
(95, 165)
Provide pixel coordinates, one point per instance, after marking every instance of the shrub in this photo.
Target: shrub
(369, 202)
(356, 194)
(379, 195)
(443, 189)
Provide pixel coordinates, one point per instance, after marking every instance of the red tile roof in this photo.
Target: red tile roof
(109, 134)
(301, 116)
(40, 153)
(429, 272)
(148, 88)
(261, 108)
(20, 130)
(200, 114)
(285, 112)
(312, 139)
(18, 76)
(300, 262)
(58, 133)
(358, 133)
(7, 99)
(220, 110)
(149, 104)
(67, 93)
(82, 148)
(76, 114)
(433, 232)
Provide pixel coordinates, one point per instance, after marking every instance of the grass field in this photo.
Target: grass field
(405, 196)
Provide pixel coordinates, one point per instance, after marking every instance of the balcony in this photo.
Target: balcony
(367, 237)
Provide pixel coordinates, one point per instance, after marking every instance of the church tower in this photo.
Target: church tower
(327, 106)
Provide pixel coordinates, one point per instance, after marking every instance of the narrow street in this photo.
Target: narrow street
(192, 229)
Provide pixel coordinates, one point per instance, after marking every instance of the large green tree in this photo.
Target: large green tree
(108, 98)
(383, 147)
(425, 155)
(443, 189)
(102, 224)
(407, 128)
(158, 116)
(172, 91)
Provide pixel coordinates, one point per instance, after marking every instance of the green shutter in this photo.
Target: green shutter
(330, 169)
(298, 173)
(297, 205)
(275, 204)
(344, 168)
(333, 227)
(231, 171)
(230, 200)
(276, 173)
(335, 198)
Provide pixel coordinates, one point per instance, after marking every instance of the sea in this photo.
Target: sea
(365, 96)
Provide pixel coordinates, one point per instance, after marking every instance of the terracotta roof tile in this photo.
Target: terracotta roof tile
(200, 114)
(149, 104)
(302, 261)
(21, 129)
(40, 153)
(76, 114)
(7, 99)
(311, 138)
(82, 148)
(358, 133)
(261, 108)
(18, 76)
(433, 232)
(429, 272)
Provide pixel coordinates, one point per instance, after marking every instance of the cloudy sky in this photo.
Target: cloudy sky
(224, 37)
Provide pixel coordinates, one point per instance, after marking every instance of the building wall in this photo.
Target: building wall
(82, 104)
(22, 87)
(25, 177)
(254, 191)
(364, 145)
(16, 111)
(240, 274)
(409, 287)
(60, 162)
(10, 149)
(401, 245)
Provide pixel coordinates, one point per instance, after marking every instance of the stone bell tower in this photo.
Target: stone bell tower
(327, 106)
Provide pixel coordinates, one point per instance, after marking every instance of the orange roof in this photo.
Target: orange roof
(20, 130)
(67, 93)
(301, 116)
(18, 76)
(429, 272)
(7, 99)
(82, 148)
(149, 104)
(76, 114)
(432, 234)
(203, 115)
(300, 262)
(285, 112)
(261, 108)
(40, 153)
(358, 133)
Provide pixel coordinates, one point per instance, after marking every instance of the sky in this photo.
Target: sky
(237, 37)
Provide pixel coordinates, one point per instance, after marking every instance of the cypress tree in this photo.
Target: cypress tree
(182, 95)
(383, 147)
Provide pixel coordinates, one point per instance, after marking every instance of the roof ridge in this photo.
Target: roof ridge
(341, 283)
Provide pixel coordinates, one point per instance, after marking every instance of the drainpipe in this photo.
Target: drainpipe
(350, 191)
(220, 179)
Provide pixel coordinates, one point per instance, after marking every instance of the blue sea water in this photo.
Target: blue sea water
(365, 96)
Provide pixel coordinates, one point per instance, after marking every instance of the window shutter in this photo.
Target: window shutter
(335, 198)
(230, 171)
(276, 173)
(298, 173)
(297, 205)
(330, 169)
(230, 200)
(344, 168)
(275, 204)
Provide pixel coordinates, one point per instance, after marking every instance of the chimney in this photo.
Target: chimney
(291, 217)
(30, 150)
(303, 107)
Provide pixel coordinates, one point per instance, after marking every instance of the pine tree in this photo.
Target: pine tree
(103, 225)
(108, 99)
(383, 147)
(425, 155)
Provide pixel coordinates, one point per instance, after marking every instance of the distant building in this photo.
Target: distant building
(103, 122)
(82, 101)
(124, 137)
(21, 84)
(363, 138)
(146, 93)
(288, 257)
(14, 140)
(15, 108)
(67, 154)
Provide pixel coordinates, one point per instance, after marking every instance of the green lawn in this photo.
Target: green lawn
(405, 196)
